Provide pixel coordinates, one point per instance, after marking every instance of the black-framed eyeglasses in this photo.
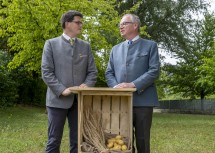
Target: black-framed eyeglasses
(78, 23)
(125, 24)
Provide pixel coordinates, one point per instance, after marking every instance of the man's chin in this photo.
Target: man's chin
(79, 32)
(123, 36)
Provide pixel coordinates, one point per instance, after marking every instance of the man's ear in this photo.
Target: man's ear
(66, 24)
(135, 26)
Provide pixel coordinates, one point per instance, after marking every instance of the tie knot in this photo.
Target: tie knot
(72, 40)
(130, 42)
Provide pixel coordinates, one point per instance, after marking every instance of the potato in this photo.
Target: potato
(117, 147)
(118, 137)
(115, 144)
(110, 145)
(120, 142)
(111, 140)
(124, 147)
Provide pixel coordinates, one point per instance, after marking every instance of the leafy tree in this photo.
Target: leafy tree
(3, 40)
(8, 86)
(167, 22)
(189, 77)
(28, 23)
(207, 69)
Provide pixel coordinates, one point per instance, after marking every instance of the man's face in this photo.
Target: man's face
(74, 27)
(127, 27)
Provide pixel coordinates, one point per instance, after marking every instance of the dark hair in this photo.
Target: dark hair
(69, 16)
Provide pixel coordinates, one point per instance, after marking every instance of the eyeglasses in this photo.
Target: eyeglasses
(125, 24)
(78, 23)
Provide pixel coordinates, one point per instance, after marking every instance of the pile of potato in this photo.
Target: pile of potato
(116, 143)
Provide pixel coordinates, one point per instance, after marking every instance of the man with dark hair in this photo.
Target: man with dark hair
(67, 61)
(134, 63)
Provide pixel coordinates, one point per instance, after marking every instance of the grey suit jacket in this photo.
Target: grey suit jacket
(138, 63)
(64, 66)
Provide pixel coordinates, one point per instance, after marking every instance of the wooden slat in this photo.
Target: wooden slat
(95, 89)
(97, 106)
(130, 120)
(80, 121)
(106, 113)
(87, 101)
(111, 93)
(97, 102)
(124, 117)
(115, 120)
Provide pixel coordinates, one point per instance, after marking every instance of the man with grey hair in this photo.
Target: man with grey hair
(67, 61)
(134, 63)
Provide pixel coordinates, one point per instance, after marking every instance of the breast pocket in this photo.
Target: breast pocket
(82, 55)
(142, 55)
(142, 59)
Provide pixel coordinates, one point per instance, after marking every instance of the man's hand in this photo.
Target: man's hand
(69, 90)
(125, 85)
(83, 85)
(66, 92)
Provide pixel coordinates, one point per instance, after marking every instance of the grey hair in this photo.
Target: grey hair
(135, 19)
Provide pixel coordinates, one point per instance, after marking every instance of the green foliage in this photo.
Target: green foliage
(18, 85)
(167, 22)
(28, 23)
(208, 71)
(161, 90)
(8, 86)
(31, 89)
(191, 76)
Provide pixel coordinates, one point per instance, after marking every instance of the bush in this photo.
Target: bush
(19, 86)
(8, 86)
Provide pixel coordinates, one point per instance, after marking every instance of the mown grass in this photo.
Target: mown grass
(24, 130)
(183, 133)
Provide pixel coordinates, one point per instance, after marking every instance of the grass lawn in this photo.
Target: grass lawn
(183, 133)
(24, 130)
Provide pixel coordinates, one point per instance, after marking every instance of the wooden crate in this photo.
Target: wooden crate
(114, 107)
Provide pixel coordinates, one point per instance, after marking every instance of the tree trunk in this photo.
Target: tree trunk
(202, 100)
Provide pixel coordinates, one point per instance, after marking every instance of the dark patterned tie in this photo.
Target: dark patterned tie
(72, 41)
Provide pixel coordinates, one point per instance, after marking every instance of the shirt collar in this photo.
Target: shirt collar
(134, 39)
(66, 36)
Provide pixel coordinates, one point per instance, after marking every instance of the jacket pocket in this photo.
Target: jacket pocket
(142, 55)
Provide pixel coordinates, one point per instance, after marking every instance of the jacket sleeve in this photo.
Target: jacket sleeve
(110, 73)
(48, 70)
